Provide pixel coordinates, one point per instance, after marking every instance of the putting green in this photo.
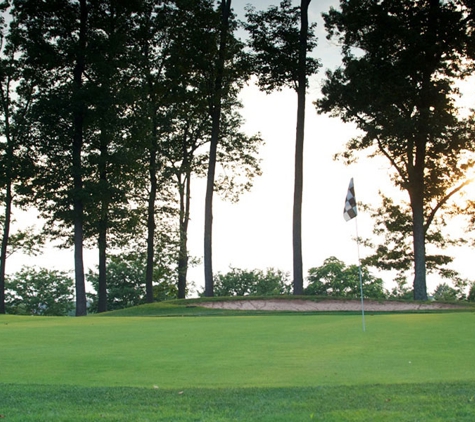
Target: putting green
(238, 352)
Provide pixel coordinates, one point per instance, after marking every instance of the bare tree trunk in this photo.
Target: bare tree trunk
(103, 224)
(416, 175)
(215, 132)
(184, 221)
(5, 237)
(151, 220)
(78, 206)
(299, 143)
(8, 204)
(420, 285)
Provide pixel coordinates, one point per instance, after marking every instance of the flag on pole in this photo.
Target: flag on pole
(350, 210)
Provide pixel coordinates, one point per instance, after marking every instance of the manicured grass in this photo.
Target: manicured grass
(389, 403)
(266, 368)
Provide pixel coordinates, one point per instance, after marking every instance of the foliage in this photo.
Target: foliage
(401, 62)
(16, 165)
(401, 291)
(39, 292)
(456, 291)
(126, 282)
(444, 292)
(239, 282)
(27, 241)
(280, 40)
(471, 292)
(275, 41)
(393, 227)
(335, 278)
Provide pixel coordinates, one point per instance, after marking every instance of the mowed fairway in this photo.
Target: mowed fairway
(278, 355)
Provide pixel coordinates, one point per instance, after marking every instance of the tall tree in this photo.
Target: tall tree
(17, 87)
(400, 62)
(236, 161)
(151, 110)
(110, 156)
(223, 63)
(215, 112)
(54, 38)
(281, 39)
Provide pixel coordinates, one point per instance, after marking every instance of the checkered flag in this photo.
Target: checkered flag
(350, 210)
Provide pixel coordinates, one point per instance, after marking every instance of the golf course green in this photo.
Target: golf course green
(415, 366)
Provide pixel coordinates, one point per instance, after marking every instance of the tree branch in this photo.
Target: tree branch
(443, 201)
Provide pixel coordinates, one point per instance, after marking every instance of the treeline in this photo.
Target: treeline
(109, 108)
(108, 111)
(49, 292)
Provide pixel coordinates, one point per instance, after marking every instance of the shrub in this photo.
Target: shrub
(39, 292)
(238, 282)
(335, 278)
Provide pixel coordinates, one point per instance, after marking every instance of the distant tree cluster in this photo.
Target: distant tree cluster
(239, 282)
(40, 292)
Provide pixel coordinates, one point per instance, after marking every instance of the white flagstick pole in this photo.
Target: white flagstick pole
(359, 271)
(351, 211)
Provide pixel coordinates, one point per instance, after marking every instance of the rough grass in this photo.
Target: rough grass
(283, 367)
(389, 403)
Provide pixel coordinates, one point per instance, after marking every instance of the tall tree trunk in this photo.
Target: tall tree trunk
(8, 202)
(215, 133)
(420, 286)
(102, 246)
(78, 123)
(416, 175)
(299, 143)
(103, 223)
(151, 218)
(185, 198)
(5, 238)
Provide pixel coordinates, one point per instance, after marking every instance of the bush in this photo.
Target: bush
(39, 292)
(238, 282)
(471, 293)
(125, 275)
(335, 278)
(444, 292)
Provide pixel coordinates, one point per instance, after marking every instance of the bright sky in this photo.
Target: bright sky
(257, 231)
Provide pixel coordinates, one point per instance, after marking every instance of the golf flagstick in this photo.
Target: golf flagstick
(349, 213)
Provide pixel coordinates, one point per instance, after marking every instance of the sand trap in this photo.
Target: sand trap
(325, 305)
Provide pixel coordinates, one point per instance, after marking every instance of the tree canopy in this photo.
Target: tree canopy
(401, 60)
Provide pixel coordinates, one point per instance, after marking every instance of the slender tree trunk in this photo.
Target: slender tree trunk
(151, 219)
(78, 205)
(102, 246)
(185, 199)
(215, 133)
(208, 238)
(103, 224)
(299, 143)
(8, 202)
(5, 238)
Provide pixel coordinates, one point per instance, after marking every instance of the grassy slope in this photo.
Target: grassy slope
(278, 367)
